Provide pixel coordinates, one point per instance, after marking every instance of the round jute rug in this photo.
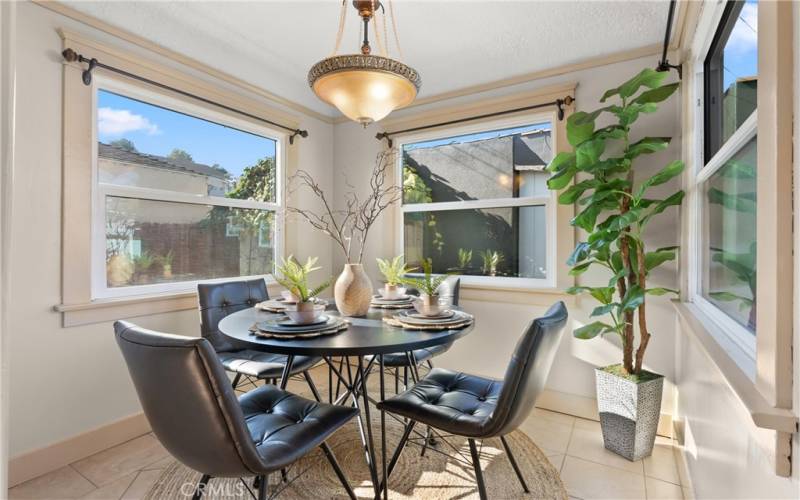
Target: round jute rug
(444, 471)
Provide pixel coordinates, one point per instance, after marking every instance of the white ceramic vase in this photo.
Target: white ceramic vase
(353, 291)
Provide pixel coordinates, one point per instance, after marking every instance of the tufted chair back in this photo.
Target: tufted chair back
(528, 370)
(188, 400)
(218, 300)
(450, 289)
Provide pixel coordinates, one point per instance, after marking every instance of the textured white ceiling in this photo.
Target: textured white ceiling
(453, 44)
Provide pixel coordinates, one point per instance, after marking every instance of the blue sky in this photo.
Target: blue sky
(157, 131)
(740, 55)
(476, 137)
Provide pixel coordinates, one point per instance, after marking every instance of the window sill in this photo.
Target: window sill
(763, 414)
(112, 309)
(514, 295)
(102, 310)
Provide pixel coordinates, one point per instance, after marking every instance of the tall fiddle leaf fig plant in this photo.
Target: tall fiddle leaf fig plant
(614, 206)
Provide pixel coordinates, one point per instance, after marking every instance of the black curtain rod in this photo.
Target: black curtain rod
(559, 103)
(72, 56)
(663, 64)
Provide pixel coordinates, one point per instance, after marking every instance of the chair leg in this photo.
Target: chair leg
(198, 490)
(428, 439)
(339, 379)
(263, 487)
(514, 464)
(476, 464)
(236, 379)
(399, 449)
(330, 384)
(311, 386)
(338, 470)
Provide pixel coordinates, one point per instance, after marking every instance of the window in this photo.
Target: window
(476, 203)
(730, 251)
(731, 74)
(726, 255)
(181, 194)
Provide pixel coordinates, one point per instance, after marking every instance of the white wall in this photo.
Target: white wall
(486, 350)
(721, 449)
(7, 30)
(66, 381)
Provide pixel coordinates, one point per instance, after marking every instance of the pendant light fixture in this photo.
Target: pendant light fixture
(365, 87)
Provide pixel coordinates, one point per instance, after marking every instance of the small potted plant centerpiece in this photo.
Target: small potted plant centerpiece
(294, 277)
(428, 286)
(614, 212)
(393, 270)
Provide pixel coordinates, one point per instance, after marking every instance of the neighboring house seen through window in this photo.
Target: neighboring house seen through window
(477, 203)
(180, 198)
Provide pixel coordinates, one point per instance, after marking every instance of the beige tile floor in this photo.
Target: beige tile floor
(573, 445)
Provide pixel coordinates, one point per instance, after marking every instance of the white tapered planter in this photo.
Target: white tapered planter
(353, 291)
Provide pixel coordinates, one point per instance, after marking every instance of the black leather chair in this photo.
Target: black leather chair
(193, 411)
(449, 292)
(218, 300)
(480, 408)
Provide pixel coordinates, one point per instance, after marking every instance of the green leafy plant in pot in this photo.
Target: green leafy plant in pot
(428, 287)
(393, 271)
(294, 277)
(615, 208)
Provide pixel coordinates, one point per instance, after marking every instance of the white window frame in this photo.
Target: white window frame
(100, 190)
(737, 341)
(549, 201)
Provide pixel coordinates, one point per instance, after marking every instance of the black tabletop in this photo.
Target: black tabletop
(367, 335)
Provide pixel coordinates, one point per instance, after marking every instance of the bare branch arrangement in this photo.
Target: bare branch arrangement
(352, 223)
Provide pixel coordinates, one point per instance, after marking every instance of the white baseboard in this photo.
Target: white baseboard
(37, 462)
(680, 459)
(586, 407)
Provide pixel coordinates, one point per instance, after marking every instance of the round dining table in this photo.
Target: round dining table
(367, 339)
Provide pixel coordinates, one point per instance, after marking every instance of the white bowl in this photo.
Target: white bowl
(289, 296)
(305, 313)
(430, 310)
(392, 293)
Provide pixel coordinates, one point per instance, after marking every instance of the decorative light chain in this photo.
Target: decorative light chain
(394, 28)
(340, 33)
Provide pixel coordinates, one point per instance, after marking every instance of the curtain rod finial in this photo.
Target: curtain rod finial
(69, 55)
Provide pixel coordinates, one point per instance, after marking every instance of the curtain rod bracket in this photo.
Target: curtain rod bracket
(385, 135)
(560, 103)
(71, 56)
(301, 133)
(663, 64)
(666, 66)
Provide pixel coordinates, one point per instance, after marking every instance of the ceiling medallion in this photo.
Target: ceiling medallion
(365, 87)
